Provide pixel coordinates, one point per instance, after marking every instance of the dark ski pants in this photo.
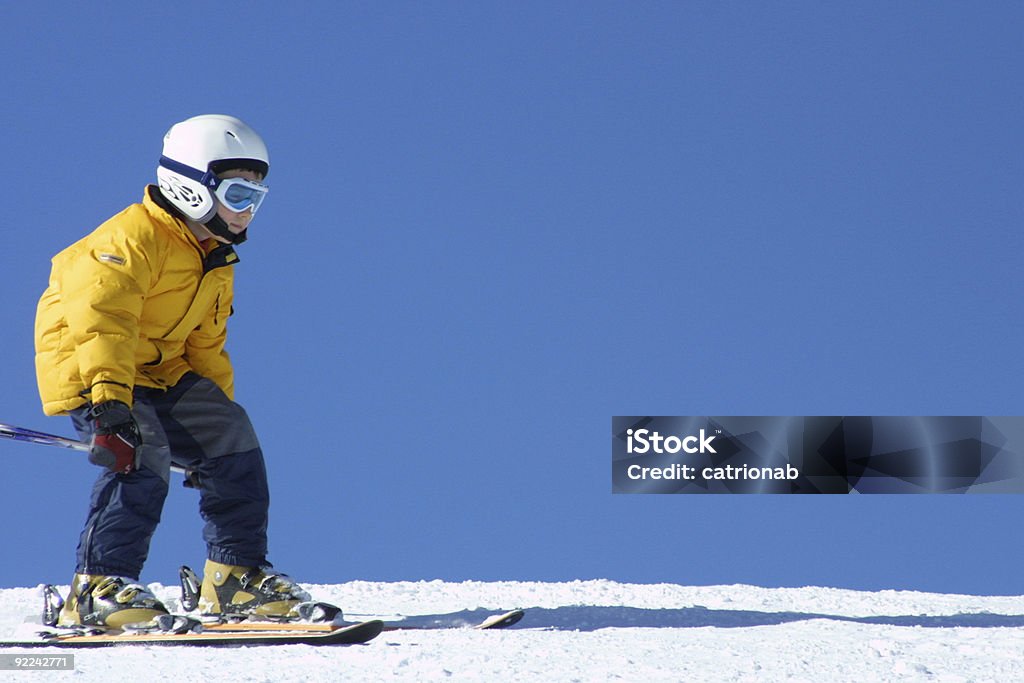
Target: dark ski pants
(195, 425)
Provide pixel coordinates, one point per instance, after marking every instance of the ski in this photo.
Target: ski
(314, 624)
(352, 634)
(495, 621)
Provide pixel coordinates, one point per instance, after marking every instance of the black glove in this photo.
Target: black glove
(115, 440)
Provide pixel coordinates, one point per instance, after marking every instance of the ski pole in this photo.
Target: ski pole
(32, 436)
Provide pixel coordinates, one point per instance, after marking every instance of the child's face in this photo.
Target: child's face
(237, 220)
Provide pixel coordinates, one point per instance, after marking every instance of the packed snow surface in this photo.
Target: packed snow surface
(597, 631)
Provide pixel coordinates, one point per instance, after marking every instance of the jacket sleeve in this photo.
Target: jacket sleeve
(204, 347)
(102, 292)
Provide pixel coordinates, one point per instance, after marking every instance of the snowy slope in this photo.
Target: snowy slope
(602, 630)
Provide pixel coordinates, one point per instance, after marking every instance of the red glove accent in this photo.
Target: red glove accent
(113, 451)
(116, 440)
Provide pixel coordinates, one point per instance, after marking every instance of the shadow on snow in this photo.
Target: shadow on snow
(590, 618)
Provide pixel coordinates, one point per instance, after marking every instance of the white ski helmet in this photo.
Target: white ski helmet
(194, 152)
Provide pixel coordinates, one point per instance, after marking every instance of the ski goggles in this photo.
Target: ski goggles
(239, 194)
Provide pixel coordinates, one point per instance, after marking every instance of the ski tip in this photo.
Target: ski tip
(361, 632)
(503, 620)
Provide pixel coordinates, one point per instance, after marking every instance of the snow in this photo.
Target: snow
(600, 631)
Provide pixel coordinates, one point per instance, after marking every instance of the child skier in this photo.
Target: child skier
(130, 343)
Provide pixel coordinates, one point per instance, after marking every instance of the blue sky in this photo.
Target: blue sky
(493, 226)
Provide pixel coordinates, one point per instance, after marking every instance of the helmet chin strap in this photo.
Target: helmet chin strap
(219, 227)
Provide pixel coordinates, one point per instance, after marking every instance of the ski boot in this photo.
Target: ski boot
(108, 602)
(257, 592)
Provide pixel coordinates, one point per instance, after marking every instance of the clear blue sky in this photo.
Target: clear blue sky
(495, 225)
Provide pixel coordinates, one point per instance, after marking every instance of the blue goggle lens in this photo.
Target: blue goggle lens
(239, 194)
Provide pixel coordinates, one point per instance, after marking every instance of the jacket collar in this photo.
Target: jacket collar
(161, 209)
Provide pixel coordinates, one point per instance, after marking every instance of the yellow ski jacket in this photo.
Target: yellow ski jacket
(138, 302)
